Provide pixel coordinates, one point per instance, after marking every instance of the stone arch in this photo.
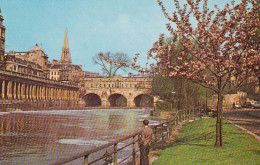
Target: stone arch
(92, 100)
(143, 100)
(117, 100)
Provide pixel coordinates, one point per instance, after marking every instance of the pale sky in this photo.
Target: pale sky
(129, 26)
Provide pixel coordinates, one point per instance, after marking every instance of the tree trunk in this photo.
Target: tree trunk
(110, 70)
(180, 98)
(219, 141)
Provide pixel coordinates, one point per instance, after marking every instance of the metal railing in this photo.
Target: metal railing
(162, 132)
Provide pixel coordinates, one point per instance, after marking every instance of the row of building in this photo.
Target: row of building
(35, 63)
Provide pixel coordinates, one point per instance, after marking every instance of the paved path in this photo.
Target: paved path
(246, 118)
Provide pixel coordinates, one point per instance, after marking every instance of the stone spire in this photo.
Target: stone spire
(65, 56)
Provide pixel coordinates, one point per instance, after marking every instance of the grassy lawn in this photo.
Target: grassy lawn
(195, 145)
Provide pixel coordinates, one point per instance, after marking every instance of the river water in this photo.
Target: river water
(45, 137)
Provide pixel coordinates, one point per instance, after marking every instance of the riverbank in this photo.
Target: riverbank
(18, 110)
(70, 108)
(195, 145)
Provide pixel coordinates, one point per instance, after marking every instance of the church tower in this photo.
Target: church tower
(2, 40)
(65, 56)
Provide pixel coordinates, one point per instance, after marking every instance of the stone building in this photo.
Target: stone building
(33, 62)
(2, 41)
(90, 74)
(64, 70)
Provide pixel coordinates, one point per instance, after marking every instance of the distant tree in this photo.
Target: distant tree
(110, 63)
(178, 93)
(255, 37)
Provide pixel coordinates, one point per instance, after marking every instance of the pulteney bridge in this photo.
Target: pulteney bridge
(117, 92)
(25, 91)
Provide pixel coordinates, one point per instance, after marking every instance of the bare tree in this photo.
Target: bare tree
(110, 63)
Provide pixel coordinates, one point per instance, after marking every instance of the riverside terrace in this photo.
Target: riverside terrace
(19, 90)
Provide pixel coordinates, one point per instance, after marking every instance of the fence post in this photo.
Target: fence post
(170, 128)
(162, 133)
(115, 154)
(134, 150)
(155, 134)
(176, 119)
(86, 160)
(180, 116)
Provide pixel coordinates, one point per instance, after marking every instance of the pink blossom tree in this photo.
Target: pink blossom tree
(218, 47)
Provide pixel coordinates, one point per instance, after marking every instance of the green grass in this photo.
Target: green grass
(195, 145)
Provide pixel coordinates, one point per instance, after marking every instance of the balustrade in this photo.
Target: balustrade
(30, 90)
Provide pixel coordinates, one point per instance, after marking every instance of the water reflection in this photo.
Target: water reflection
(47, 136)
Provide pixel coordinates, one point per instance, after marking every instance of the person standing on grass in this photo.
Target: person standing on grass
(146, 139)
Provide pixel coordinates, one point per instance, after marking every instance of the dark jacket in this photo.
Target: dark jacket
(146, 136)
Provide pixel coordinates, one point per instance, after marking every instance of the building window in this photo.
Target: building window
(118, 84)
